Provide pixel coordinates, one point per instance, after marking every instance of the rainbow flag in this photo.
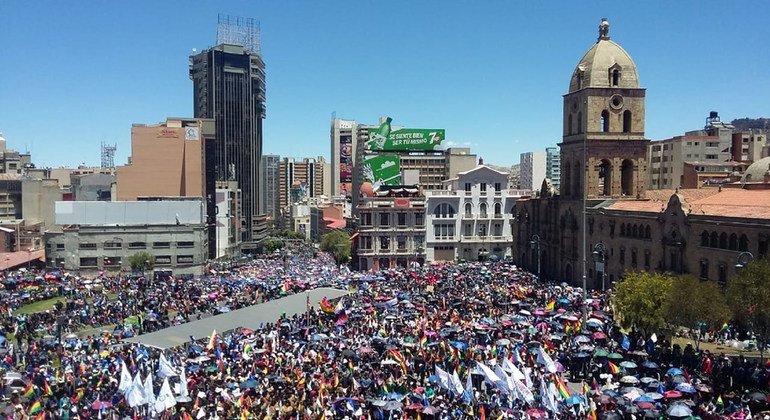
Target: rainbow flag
(423, 341)
(561, 387)
(592, 414)
(35, 408)
(551, 304)
(586, 389)
(326, 307)
(29, 391)
(47, 389)
(614, 369)
(212, 340)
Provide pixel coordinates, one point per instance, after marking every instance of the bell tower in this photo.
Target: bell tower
(603, 149)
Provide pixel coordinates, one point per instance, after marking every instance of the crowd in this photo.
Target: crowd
(470, 340)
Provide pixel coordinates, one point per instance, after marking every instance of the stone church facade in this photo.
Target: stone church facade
(604, 170)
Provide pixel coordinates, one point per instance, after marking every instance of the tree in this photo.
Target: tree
(337, 243)
(273, 244)
(141, 261)
(639, 300)
(693, 303)
(748, 295)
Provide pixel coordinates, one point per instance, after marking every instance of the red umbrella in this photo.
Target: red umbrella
(645, 405)
(599, 335)
(534, 413)
(672, 394)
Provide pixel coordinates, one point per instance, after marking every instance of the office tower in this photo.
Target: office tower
(533, 168)
(343, 149)
(269, 184)
(553, 166)
(229, 86)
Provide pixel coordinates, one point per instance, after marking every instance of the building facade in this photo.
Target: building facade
(552, 167)
(471, 218)
(343, 152)
(391, 230)
(270, 190)
(101, 236)
(533, 170)
(749, 146)
(229, 87)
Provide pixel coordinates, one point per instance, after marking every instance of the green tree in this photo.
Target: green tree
(640, 298)
(273, 244)
(693, 303)
(337, 243)
(141, 261)
(748, 295)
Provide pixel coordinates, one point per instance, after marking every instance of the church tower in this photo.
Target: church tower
(603, 149)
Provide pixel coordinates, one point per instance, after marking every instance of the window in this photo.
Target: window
(483, 187)
(615, 77)
(483, 230)
(161, 244)
(419, 219)
(497, 186)
(723, 241)
(622, 255)
(60, 247)
(136, 245)
(444, 231)
(743, 244)
(579, 122)
(86, 246)
(733, 242)
(419, 240)
(113, 245)
(184, 259)
(444, 210)
(384, 243)
(626, 121)
(185, 244)
(605, 122)
(498, 230)
(483, 210)
(712, 157)
(401, 219)
(468, 210)
(714, 240)
(366, 219)
(365, 242)
(468, 229)
(722, 274)
(111, 261)
(467, 187)
(401, 242)
(647, 232)
(633, 258)
(704, 238)
(704, 269)
(162, 260)
(498, 210)
(647, 259)
(88, 262)
(384, 219)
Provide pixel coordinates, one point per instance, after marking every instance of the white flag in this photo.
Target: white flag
(443, 378)
(546, 360)
(654, 338)
(135, 394)
(149, 394)
(184, 393)
(165, 368)
(165, 398)
(489, 375)
(125, 379)
(523, 391)
(513, 370)
(456, 383)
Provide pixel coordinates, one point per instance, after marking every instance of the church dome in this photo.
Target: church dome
(756, 171)
(605, 65)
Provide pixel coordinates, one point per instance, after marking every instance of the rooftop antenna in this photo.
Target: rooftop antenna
(236, 30)
(108, 155)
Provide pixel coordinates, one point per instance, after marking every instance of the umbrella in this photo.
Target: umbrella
(628, 365)
(430, 410)
(672, 395)
(600, 353)
(632, 409)
(704, 388)
(653, 395)
(611, 415)
(534, 413)
(615, 356)
(686, 388)
(100, 405)
(652, 414)
(643, 398)
(629, 380)
(599, 335)
(679, 410)
(249, 383)
(649, 365)
(573, 400)
(757, 397)
(392, 406)
(646, 380)
(674, 372)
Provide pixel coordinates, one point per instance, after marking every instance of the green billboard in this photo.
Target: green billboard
(382, 169)
(405, 139)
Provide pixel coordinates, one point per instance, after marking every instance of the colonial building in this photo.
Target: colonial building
(604, 222)
(470, 218)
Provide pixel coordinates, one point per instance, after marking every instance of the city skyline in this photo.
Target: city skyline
(478, 86)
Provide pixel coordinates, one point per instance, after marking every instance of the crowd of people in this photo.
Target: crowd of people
(467, 340)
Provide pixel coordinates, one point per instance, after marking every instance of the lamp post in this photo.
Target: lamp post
(417, 254)
(584, 225)
(600, 257)
(744, 258)
(535, 244)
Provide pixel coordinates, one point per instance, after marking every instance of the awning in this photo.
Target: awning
(11, 260)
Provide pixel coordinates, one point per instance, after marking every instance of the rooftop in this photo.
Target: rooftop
(729, 202)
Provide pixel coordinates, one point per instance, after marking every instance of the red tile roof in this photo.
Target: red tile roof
(9, 260)
(730, 202)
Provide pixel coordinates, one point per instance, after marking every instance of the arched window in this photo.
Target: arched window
(627, 177)
(714, 240)
(468, 209)
(498, 209)
(576, 180)
(636, 232)
(605, 121)
(733, 242)
(615, 77)
(704, 238)
(743, 244)
(622, 229)
(605, 177)
(580, 122)
(723, 241)
(626, 121)
(483, 210)
(444, 210)
(647, 232)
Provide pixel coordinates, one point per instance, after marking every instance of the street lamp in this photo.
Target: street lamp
(535, 244)
(417, 254)
(744, 258)
(600, 257)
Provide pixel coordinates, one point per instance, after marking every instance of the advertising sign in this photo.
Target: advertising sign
(382, 170)
(346, 164)
(405, 139)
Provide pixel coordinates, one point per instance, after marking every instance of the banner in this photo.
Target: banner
(382, 170)
(405, 139)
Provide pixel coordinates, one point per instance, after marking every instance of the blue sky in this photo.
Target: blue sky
(491, 72)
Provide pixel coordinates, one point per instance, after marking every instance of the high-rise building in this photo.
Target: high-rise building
(269, 183)
(299, 180)
(229, 86)
(533, 168)
(553, 166)
(343, 151)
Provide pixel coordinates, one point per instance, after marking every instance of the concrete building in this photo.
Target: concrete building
(553, 167)
(706, 232)
(270, 190)
(299, 180)
(10, 196)
(227, 219)
(749, 146)
(11, 161)
(95, 235)
(391, 232)
(343, 152)
(229, 87)
(92, 186)
(471, 218)
(533, 168)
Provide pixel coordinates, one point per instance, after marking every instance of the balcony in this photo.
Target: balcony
(498, 216)
(486, 238)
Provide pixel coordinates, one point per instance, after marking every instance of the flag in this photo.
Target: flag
(597, 390)
(614, 369)
(423, 341)
(719, 401)
(626, 343)
(336, 380)
(326, 307)
(35, 408)
(399, 358)
(561, 387)
(47, 389)
(551, 304)
(482, 412)
(725, 327)
(29, 391)
(212, 340)
(586, 389)
(592, 414)
(546, 360)
(309, 306)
